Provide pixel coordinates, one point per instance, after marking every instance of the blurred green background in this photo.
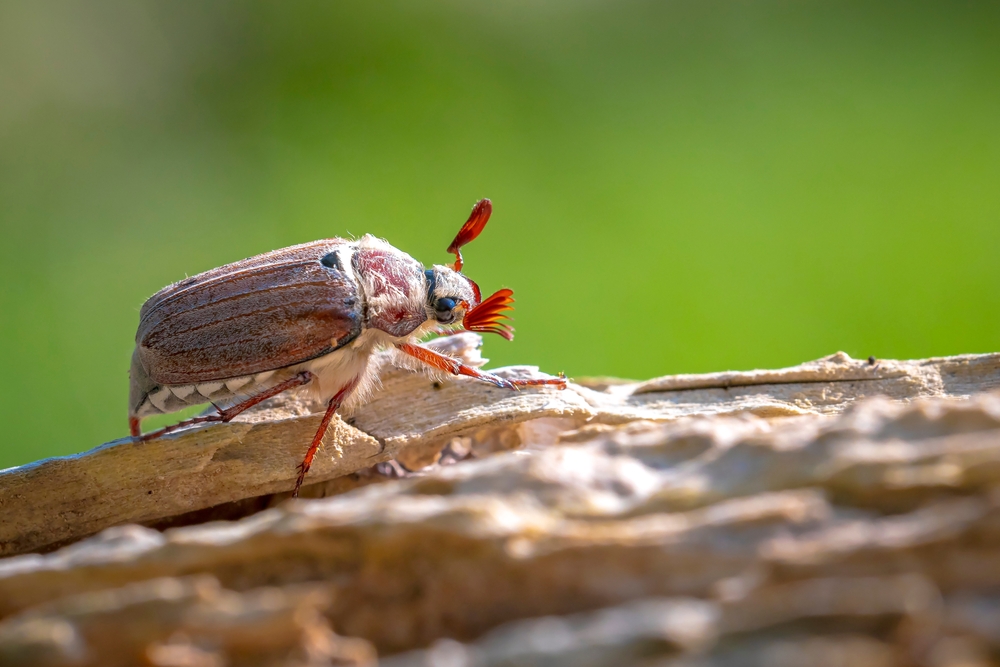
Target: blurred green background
(679, 186)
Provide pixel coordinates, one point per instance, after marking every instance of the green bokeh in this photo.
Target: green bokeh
(678, 186)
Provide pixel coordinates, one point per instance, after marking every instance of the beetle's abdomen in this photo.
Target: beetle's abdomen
(395, 289)
(261, 314)
(149, 398)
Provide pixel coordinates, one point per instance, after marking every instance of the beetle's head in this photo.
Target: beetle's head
(452, 296)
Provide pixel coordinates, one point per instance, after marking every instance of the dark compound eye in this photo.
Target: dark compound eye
(444, 305)
(444, 310)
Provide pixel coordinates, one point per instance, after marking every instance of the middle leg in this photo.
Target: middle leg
(331, 407)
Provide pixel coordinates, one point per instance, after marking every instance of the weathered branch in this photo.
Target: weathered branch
(838, 511)
(58, 500)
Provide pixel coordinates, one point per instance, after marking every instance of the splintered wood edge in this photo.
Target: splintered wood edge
(55, 501)
(952, 373)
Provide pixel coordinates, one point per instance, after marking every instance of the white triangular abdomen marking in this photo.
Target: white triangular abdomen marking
(206, 389)
(159, 398)
(183, 391)
(234, 384)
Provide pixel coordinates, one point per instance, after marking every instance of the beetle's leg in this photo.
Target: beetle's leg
(227, 414)
(331, 408)
(455, 367)
(305, 377)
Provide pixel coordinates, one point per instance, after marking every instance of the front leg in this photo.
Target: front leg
(455, 367)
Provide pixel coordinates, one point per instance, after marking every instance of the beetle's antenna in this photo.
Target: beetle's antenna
(487, 315)
(471, 229)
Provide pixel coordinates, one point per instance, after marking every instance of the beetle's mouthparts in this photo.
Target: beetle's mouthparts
(487, 316)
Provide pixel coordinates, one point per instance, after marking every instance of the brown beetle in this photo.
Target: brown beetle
(309, 314)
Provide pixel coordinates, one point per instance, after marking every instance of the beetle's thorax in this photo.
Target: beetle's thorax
(393, 286)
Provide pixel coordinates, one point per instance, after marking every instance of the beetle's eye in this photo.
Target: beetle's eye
(444, 305)
(444, 309)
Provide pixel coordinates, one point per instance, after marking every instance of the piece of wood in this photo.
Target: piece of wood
(181, 622)
(714, 507)
(835, 514)
(710, 633)
(56, 501)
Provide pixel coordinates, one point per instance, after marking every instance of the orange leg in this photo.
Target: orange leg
(331, 408)
(455, 367)
(223, 415)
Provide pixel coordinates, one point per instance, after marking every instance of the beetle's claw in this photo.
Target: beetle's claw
(299, 479)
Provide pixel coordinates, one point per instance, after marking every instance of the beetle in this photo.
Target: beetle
(312, 314)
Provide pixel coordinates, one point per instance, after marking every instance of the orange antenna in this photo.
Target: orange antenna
(472, 228)
(487, 316)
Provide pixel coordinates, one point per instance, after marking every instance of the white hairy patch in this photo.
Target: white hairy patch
(261, 378)
(337, 369)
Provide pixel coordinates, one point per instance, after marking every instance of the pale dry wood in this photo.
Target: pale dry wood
(855, 532)
(719, 508)
(745, 632)
(824, 386)
(181, 622)
(412, 417)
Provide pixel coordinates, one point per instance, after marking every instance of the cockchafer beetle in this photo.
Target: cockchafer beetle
(312, 314)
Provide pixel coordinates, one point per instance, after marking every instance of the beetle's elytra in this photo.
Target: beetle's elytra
(309, 314)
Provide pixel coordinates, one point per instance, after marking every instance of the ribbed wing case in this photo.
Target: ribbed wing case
(263, 313)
